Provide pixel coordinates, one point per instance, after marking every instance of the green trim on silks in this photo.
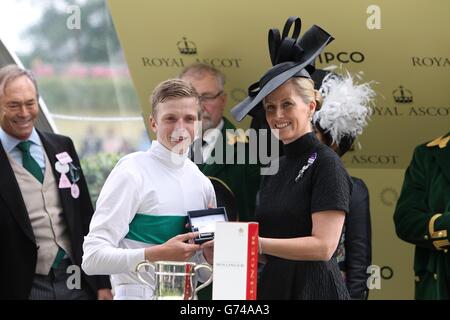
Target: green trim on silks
(155, 229)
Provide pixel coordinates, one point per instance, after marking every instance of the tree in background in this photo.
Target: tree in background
(82, 73)
(96, 169)
(95, 42)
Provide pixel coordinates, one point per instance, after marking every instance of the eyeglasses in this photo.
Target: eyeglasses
(209, 98)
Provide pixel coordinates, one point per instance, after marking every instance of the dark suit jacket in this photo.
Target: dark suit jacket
(242, 179)
(422, 217)
(358, 241)
(18, 250)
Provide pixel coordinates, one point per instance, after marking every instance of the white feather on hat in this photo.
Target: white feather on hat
(346, 107)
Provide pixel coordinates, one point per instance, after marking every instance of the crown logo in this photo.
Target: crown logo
(186, 47)
(402, 95)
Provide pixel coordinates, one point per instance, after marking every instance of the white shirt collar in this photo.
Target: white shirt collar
(166, 156)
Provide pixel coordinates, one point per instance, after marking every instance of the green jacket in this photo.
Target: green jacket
(242, 179)
(422, 217)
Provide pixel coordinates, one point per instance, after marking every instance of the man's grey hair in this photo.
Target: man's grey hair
(11, 72)
(198, 70)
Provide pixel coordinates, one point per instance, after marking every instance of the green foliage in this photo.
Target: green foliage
(89, 95)
(96, 169)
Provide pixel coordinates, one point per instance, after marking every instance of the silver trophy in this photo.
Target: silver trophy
(174, 280)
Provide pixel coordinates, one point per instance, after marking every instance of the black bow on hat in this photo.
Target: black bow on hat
(290, 56)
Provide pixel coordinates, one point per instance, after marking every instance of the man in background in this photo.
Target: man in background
(422, 217)
(218, 145)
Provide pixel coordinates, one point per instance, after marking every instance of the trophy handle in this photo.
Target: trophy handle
(199, 266)
(143, 264)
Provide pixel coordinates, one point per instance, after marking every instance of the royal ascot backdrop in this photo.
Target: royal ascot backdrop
(402, 45)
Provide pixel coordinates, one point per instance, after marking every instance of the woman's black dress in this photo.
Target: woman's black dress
(285, 210)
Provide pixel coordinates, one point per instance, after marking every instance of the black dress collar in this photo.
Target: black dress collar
(301, 146)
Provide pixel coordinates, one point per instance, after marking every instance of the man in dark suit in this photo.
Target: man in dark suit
(222, 142)
(45, 207)
(422, 217)
(220, 148)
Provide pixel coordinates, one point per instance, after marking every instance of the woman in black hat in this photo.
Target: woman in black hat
(345, 110)
(302, 206)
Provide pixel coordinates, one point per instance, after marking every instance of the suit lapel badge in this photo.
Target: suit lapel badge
(65, 165)
(240, 136)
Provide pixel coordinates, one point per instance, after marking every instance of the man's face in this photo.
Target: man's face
(175, 122)
(19, 108)
(212, 98)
